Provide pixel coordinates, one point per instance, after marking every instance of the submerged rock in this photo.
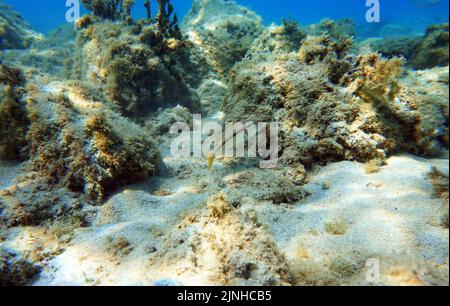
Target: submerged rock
(73, 139)
(429, 51)
(79, 142)
(15, 33)
(433, 50)
(13, 119)
(224, 29)
(87, 111)
(334, 106)
(53, 54)
(138, 70)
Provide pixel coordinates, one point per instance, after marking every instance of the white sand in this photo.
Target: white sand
(391, 216)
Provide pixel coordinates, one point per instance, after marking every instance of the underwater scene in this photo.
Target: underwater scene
(224, 143)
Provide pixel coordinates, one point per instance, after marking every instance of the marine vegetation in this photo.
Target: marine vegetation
(91, 193)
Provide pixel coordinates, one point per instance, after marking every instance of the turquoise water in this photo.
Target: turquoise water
(412, 15)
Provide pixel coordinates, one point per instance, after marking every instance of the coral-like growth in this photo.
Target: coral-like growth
(375, 78)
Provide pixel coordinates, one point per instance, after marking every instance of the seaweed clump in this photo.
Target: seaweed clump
(13, 113)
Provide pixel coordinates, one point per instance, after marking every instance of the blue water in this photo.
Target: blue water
(45, 15)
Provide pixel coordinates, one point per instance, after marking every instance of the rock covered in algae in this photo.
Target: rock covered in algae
(15, 33)
(53, 54)
(79, 142)
(139, 69)
(428, 51)
(72, 137)
(283, 38)
(110, 9)
(433, 50)
(224, 29)
(333, 105)
(336, 29)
